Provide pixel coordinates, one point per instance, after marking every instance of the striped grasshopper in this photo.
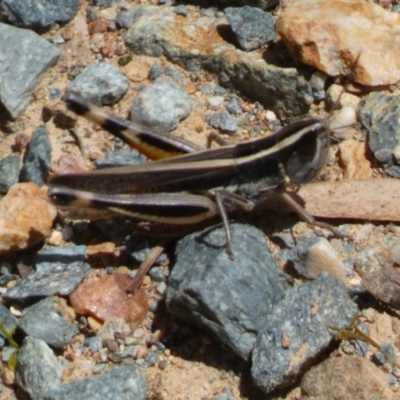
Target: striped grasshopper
(186, 186)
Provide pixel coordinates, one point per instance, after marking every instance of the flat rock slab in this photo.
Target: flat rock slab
(296, 331)
(157, 31)
(21, 67)
(230, 299)
(344, 38)
(122, 383)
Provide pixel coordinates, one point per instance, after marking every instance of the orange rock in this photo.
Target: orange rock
(353, 157)
(344, 37)
(26, 217)
(107, 299)
(106, 252)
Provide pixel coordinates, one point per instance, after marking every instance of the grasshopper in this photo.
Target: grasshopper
(194, 186)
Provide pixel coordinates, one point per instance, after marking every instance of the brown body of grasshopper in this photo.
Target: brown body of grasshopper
(190, 188)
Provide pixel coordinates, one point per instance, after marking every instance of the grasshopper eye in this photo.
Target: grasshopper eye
(309, 156)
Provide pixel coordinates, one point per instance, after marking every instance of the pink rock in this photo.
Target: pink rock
(26, 217)
(351, 37)
(106, 299)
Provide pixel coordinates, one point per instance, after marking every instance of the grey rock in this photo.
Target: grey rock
(105, 3)
(219, 90)
(44, 320)
(35, 14)
(125, 19)
(100, 83)
(206, 88)
(9, 172)
(56, 279)
(94, 343)
(169, 71)
(37, 158)
(233, 106)
(225, 394)
(161, 105)
(222, 121)
(317, 82)
(38, 368)
(378, 112)
(263, 4)
(24, 57)
(181, 10)
(252, 27)
(120, 158)
(158, 274)
(155, 71)
(61, 254)
(122, 383)
(9, 321)
(230, 299)
(276, 366)
(7, 352)
(379, 358)
(361, 346)
(54, 93)
(285, 90)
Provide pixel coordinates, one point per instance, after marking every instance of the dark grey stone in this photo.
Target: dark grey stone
(361, 346)
(379, 358)
(35, 14)
(151, 358)
(252, 27)
(157, 274)
(105, 3)
(219, 90)
(37, 158)
(233, 106)
(155, 71)
(379, 114)
(100, 83)
(169, 71)
(44, 320)
(54, 93)
(9, 321)
(38, 368)
(122, 383)
(9, 172)
(125, 19)
(24, 57)
(94, 343)
(161, 105)
(285, 90)
(206, 88)
(120, 158)
(230, 299)
(181, 10)
(303, 316)
(59, 279)
(222, 121)
(60, 254)
(225, 394)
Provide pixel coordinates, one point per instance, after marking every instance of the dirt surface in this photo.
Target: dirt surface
(196, 367)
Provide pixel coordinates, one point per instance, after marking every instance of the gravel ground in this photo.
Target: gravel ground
(202, 326)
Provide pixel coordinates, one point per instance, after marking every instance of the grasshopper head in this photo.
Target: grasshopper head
(309, 153)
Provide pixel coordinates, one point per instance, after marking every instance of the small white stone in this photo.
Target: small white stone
(16, 310)
(215, 102)
(321, 257)
(270, 116)
(343, 119)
